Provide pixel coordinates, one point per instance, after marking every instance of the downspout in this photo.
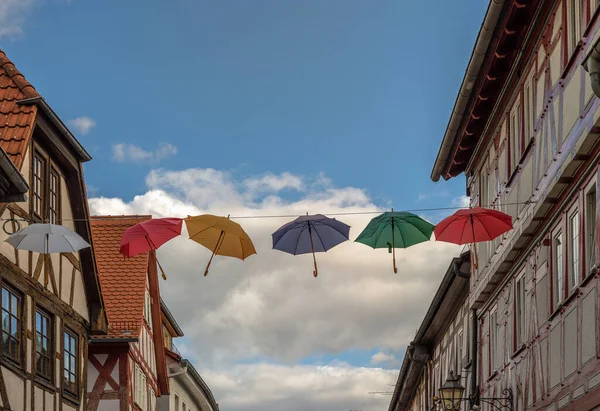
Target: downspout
(474, 355)
(591, 64)
(182, 370)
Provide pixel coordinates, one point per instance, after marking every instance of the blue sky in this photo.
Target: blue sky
(359, 91)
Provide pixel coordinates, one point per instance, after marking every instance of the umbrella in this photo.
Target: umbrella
(310, 233)
(393, 230)
(149, 235)
(473, 225)
(221, 235)
(47, 239)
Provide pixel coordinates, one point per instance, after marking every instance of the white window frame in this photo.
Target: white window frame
(590, 224)
(528, 112)
(573, 250)
(493, 340)
(140, 388)
(514, 134)
(147, 308)
(558, 267)
(574, 18)
(520, 311)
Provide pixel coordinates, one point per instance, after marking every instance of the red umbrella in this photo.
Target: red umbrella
(473, 225)
(149, 235)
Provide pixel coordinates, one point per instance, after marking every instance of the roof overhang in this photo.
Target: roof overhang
(449, 297)
(13, 186)
(74, 144)
(498, 46)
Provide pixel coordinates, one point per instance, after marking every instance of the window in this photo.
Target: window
(493, 340)
(70, 362)
(43, 345)
(39, 165)
(140, 388)
(11, 324)
(573, 251)
(574, 11)
(54, 196)
(45, 198)
(460, 351)
(151, 399)
(558, 272)
(528, 112)
(147, 306)
(183, 406)
(176, 399)
(520, 314)
(590, 226)
(515, 139)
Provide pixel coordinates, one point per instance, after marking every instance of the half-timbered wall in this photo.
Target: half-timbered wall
(536, 288)
(46, 301)
(450, 354)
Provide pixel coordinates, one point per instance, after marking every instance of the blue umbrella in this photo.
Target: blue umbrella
(310, 234)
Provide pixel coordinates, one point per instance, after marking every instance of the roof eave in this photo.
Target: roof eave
(82, 154)
(465, 93)
(171, 319)
(15, 178)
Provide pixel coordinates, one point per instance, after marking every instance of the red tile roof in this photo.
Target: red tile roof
(123, 281)
(16, 120)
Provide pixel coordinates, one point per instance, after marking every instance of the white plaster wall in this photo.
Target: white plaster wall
(14, 387)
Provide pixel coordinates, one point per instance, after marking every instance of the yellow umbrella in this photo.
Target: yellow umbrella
(221, 235)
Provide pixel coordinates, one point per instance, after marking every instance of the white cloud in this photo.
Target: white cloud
(461, 201)
(12, 16)
(82, 125)
(382, 358)
(274, 183)
(270, 306)
(260, 387)
(124, 153)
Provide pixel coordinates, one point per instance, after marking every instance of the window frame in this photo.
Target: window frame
(73, 335)
(41, 188)
(573, 272)
(520, 311)
(140, 388)
(574, 20)
(589, 229)
(515, 138)
(13, 292)
(557, 294)
(147, 307)
(493, 336)
(49, 377)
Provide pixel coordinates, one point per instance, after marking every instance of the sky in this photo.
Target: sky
(266, 107)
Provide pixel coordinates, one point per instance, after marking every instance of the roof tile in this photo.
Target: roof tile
(123, 281)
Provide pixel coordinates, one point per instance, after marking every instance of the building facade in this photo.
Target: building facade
(188, 391)
(126, 367)
(442, 344)
(525, 132)
(51, 304)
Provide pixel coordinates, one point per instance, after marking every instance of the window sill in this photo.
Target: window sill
(518, 351)
(71, 398)
(560, 307)
(45, 384)
(591, 274)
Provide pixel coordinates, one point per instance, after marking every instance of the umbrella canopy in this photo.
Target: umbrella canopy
(221, 235)
(393, 230)
(473, 225)
(149, 235)
(47, 239)
(310, 234)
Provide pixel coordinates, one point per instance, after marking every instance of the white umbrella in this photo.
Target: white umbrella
(47, 239)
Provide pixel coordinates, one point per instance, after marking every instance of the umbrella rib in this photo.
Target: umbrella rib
(320, 239)
(484, 227)
(299, 235)
(462, 233)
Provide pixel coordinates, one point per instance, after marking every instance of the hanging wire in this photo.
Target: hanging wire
(338, 213)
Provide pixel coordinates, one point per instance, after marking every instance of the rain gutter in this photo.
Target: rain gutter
(465, 93)
(113, 340)
(15, 178)
(75, 145)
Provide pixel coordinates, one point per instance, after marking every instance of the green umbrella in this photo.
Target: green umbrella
(393, 230)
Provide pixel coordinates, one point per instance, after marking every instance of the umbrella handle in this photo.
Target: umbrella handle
(475, 259)
(214, 252)
(316, 272)
(394, 247)
(312, 246)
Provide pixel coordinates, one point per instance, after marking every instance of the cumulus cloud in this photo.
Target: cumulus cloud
(461, 201)
(124, 153)
(270, 306)
(382, 358)
(259, 387)
(82, 125)
(274, 183)
(12, 16)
